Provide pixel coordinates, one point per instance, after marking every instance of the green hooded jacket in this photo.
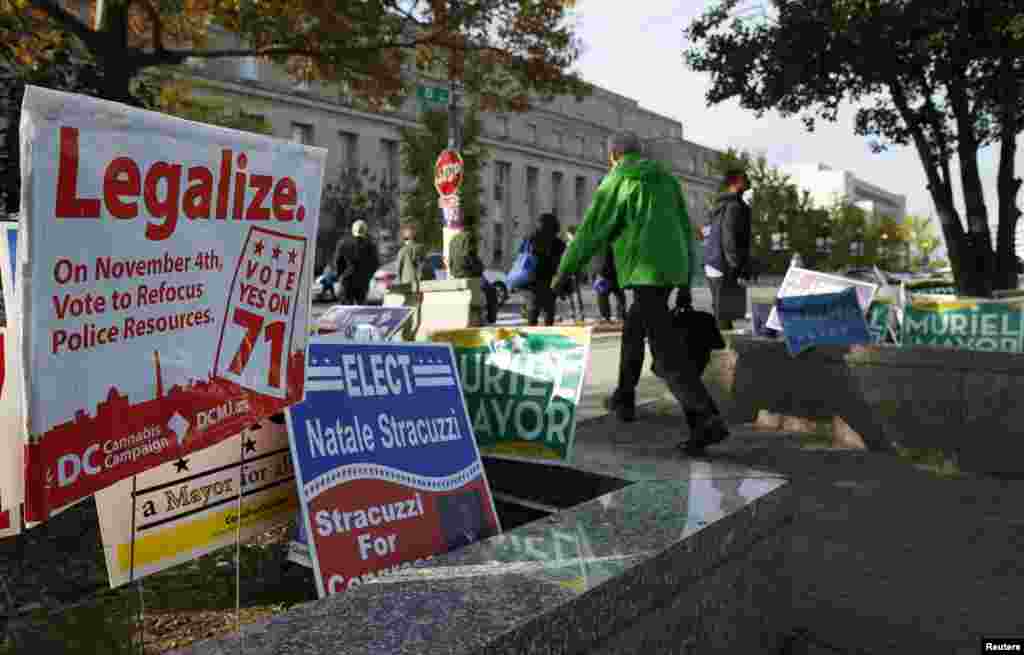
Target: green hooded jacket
(639, 209)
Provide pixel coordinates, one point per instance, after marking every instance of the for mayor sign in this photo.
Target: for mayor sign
(974, 324)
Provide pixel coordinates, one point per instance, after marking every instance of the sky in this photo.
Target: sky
(639, 55)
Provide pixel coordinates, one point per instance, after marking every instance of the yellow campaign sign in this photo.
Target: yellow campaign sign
(200, 533)
(179, 511)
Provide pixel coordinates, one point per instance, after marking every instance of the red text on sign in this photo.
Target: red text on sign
(168, 190)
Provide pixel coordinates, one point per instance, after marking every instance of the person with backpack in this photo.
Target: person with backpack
(640, 211)
(727, 251)
(535, 268)
(356, 261)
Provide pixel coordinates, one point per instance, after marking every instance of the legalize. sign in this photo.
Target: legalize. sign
(973, 324)
(522, 387)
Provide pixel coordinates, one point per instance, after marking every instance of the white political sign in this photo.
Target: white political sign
(170, 266)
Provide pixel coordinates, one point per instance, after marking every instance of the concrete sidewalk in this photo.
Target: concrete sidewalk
(884, 557)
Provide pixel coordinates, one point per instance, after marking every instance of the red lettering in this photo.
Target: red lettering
(239, 204)
(285, 195)
(223, 184)
(251, 295)
(261, 185)
(198, 197)
(122, 179)
(69, 205)
(167, 209)
(250, 269)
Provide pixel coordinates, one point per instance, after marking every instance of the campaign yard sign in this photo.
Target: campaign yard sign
(169, 265)
(522, 387)
(364, 323)
(822, 319)
(387, 467)
(177, 512)
(803, 282)
(973, 324)
(12, 425)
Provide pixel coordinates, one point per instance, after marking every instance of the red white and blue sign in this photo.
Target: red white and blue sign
(387, 465)
(822, 319)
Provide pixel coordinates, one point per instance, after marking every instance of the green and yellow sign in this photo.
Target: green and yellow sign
(968, 323)
(522, 387)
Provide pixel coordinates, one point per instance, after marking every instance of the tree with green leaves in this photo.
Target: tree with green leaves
(178, 98)
(504, 51)
(923, 240)
(942, 76)
(420, 147)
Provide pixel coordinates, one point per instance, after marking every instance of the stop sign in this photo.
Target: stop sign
(448, 173)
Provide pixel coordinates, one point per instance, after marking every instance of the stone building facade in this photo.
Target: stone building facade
(548, 159)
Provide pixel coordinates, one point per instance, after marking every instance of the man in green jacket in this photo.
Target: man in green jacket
(639, 209)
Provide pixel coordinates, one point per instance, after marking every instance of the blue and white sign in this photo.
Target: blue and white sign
(821, 319)
(363, 323)
(386, 462)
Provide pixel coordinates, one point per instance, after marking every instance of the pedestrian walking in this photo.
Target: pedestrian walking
(548, 248)
(413, 267)
(639, 209)
(727, 251)
(356, 261)
(606, 285)
(464, 262)
(572, 288)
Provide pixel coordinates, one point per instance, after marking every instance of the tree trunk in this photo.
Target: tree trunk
(1007, 184)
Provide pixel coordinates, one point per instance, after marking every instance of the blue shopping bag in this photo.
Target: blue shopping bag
(524, 268)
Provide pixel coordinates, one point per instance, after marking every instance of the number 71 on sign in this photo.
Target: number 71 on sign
(259, 320)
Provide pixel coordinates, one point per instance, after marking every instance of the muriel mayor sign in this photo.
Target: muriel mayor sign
(973, 324)
(522, 387)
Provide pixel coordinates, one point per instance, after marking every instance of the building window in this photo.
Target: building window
(389, 148)
(503, 126)
(349, 150)
(532, 176)
(581, 146)
(693, 164)
(580, 194)
(557, 141)
(248, 68)
(556, 193)
(302, 133)
(531, 132)
(502, 171)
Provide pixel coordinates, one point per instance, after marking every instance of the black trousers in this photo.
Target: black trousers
(354, 295)
(604, 304)
(649, 320)
(540, 299)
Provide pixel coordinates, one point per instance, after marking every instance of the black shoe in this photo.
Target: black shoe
(712, 431)
(623, 405)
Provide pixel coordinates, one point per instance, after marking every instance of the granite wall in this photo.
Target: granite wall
(963, 403)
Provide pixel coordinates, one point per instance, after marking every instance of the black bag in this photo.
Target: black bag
(698, 331)
(732, 299)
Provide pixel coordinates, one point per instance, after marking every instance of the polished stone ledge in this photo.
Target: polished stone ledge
(693, 535)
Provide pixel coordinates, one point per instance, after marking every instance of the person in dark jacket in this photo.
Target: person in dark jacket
(356, 261)
(604, 269)
(548, 248)
(464, 262)
(727, 251)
